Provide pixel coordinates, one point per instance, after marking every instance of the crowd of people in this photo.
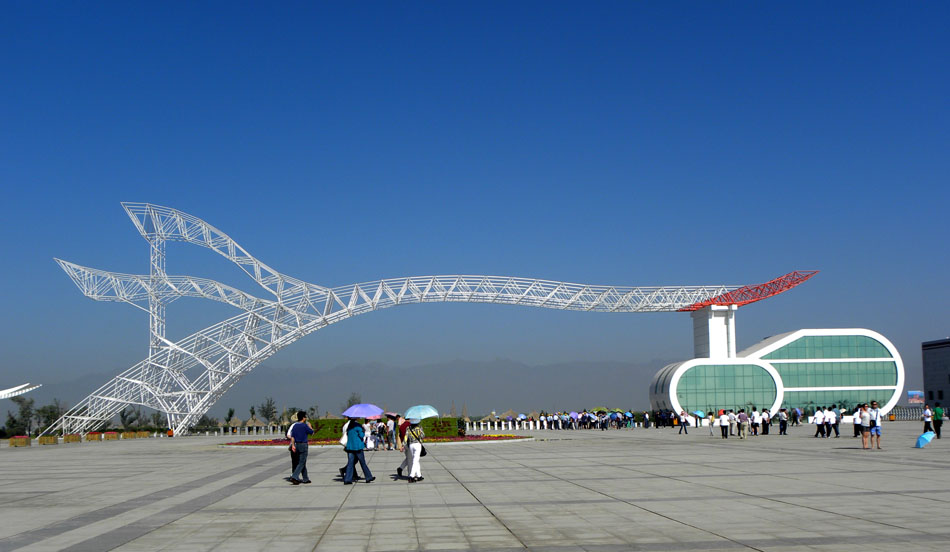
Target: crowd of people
(405, 435)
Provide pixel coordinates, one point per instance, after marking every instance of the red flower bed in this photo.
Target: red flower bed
(466, 439)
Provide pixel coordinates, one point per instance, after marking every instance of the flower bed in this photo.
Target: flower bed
(72, 438)
(20, 441)
(110, 436)
(142, 434)
(317, 442)
(93, 436)
(49, 440)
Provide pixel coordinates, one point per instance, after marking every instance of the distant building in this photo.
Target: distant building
(805, 368)
(936, 357)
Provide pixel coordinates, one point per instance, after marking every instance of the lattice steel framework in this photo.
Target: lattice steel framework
(18, 390)
(183, 379)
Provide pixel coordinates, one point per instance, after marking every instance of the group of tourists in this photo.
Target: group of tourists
(405, 435)
(747, 424)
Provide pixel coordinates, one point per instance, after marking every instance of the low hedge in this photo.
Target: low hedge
(20, 441)
(433, 427)
(49, 440)
(72, 438)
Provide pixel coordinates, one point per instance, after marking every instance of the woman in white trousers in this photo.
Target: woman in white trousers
(414, 437)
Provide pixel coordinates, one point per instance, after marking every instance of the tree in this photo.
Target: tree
(227, 419)
(252, 412)
(268, 409)
(313, 412)
(129, 417)
(47, 415)
(22, 422)
(158, 419)
(355, 398)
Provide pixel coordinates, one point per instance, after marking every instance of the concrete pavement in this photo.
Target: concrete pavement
(567, 490)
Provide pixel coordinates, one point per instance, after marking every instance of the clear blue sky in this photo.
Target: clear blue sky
(614, 143)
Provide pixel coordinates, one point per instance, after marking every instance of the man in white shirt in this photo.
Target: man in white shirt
(875, 419)
(783, 421)
(724, 425)
(391, 431)
(766, 421)
(733, 422)
(830, 420)
(756, 421)
(819, 421)
(928, 418)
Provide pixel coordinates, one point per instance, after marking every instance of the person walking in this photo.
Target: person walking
(300, 445)
(724, 425)
(938, 419)
(928, 418)
(756, 421)
(294, 455)
(401, 429)
(743, 424)
(831, 422)
(766, 421)
(783, 421)
(391, 432)
(414, 437)
(684, 423)
(836, 420)
(733, 423)
(355, 445)
(819, 420)
(874, 426)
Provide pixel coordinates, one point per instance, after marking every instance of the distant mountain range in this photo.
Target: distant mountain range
(480, 386)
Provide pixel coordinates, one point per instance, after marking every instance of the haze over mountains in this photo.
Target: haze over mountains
(497, 385)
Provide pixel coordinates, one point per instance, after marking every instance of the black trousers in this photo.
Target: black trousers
(725, 431)
(783, 427)
(294, 460)
(927, 427)
(937, 424)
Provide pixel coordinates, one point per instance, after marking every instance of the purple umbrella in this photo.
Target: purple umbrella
(363, 411)
(574, 415)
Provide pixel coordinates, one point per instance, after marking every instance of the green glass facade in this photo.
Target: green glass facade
(831, 346)
(837, 374)
(709, 387)
(845, 399)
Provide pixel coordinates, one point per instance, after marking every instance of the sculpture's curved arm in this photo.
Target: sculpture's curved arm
(18, 390)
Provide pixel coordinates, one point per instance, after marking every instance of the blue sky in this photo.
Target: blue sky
(614, 143)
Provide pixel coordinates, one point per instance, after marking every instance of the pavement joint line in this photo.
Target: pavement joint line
(489, 510)
(342, 502)
(131, 531)
(770, 498)
(27, 538)
(654, 512)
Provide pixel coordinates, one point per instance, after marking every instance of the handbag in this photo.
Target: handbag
(343, 440)
(423, 452)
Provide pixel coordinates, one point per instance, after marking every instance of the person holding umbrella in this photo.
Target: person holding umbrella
(354, 452)
(414, 437)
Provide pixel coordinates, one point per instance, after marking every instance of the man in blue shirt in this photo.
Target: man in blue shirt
(298, 442)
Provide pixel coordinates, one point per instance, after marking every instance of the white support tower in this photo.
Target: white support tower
(714, 331)
(184, 378)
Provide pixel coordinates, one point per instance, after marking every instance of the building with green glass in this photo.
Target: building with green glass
(804, 369)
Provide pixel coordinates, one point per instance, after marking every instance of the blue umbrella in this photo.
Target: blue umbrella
(628, 413)
(700, 413)
(421, 411)
(522, 417)
(924, 439)
(363, 411)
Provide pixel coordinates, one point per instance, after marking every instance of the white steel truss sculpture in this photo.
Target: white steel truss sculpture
(184, 378)
(18, 390)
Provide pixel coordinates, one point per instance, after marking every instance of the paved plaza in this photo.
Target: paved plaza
(564, 491)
